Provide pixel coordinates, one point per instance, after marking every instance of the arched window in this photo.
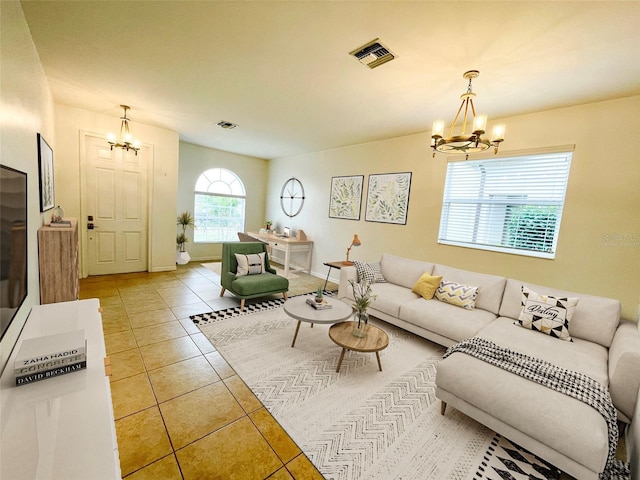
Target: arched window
(219, 201)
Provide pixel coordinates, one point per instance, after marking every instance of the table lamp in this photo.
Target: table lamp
(354, 243)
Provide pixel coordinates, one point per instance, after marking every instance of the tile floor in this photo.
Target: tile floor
(181, 412)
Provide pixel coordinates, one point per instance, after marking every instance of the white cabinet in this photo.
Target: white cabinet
(62, 427)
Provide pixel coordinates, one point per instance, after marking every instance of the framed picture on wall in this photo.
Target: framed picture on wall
(388, 198)
(346, 197)
(45, 165)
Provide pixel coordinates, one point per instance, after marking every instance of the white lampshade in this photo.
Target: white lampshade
(438, 129)
(480, 123)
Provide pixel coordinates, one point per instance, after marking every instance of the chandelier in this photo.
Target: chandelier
(466, 143)
(125, 140)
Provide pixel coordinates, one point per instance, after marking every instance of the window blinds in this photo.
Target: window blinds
(511, 204)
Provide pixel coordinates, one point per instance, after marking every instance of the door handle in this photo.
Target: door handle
(91, 226)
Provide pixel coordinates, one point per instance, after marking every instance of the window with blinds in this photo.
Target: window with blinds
(511, 205)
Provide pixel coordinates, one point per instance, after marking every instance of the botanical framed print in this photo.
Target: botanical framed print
(346, 197)
(388, 198)
(45, 165)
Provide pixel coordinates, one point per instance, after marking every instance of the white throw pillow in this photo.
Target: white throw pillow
(369, 272)
(250, 264)
(547, 314)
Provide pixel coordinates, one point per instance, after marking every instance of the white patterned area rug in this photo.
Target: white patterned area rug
(362, 423)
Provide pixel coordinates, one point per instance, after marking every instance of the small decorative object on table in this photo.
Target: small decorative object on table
(319, 295)
(57, 218)
(268, 224)
(363, 298)
(322, 305)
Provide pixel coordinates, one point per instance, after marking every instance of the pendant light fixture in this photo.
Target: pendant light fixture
(464, 142)
(125, 140)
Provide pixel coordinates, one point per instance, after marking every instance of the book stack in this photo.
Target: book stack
(319, 305)
(50, 356)
(60, 223)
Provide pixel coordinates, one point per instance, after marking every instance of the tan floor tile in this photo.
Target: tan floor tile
(111, 301)
(113, 311)
(150, 294)
(198, 413)
(302, 469)
(279, 440)
(171, 351)
(126, 364)
(173, 290)
(209, 294)
(189, 326)
(164, 469)
(235, 452)
(142, 439)
(158, 333)
(243, 394)
(196, 281)
(152, 317)
(132, 394)
(179, 300)
(220, 365)
(166, 282)
(203, 343)
(116, 323)
(97, 291)
(182, 377)
(119, 342)
(184, 311)
(282, 474)
(145, 305)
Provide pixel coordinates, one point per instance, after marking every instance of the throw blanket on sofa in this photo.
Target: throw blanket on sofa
(573, 384)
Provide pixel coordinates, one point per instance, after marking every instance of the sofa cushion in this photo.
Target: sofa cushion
(403, 271)
(388, 297)
(490, 287)
(595, 319)
(426, 286)
(249, 263)
(257, 284)
(580, 355)
(369, 272)
(457, 294)
(547, 314)
(444, 319)
(564, 424)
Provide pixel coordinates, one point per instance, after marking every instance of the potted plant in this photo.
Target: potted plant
(363, 298)
(268, 224)
(184, 220)
(319, 296)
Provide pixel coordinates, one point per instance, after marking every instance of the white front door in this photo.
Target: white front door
(114, 208)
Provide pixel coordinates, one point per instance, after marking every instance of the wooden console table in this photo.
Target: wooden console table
(61, 427)
(286, 246)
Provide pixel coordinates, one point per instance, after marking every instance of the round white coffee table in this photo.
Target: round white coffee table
(298, 308)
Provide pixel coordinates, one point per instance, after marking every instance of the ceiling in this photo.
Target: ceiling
(282, 69)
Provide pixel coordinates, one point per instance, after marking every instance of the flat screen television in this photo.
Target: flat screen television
(13, 243)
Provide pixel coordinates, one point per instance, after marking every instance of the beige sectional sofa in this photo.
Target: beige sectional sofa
(562, 430)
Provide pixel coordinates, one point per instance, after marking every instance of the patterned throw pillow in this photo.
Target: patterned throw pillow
(426, 286)
(369, 272)
(250, 264)
(457, 294)
(547, 314)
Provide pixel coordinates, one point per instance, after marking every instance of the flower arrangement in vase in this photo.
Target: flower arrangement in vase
(363, 297)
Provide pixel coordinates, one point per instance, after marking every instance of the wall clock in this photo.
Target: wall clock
(292, 197)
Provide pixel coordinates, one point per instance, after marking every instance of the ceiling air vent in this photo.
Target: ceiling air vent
(227, 125)
(373, 54)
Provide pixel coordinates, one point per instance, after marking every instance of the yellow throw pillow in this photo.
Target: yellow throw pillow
(426, 286)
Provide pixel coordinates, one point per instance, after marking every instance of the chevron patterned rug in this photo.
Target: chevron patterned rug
(362, 423)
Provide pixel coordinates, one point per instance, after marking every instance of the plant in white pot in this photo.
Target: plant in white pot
(184, 220)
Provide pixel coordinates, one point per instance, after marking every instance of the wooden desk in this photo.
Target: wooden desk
(286, 246)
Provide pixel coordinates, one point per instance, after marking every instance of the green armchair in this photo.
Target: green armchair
(249, 286)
